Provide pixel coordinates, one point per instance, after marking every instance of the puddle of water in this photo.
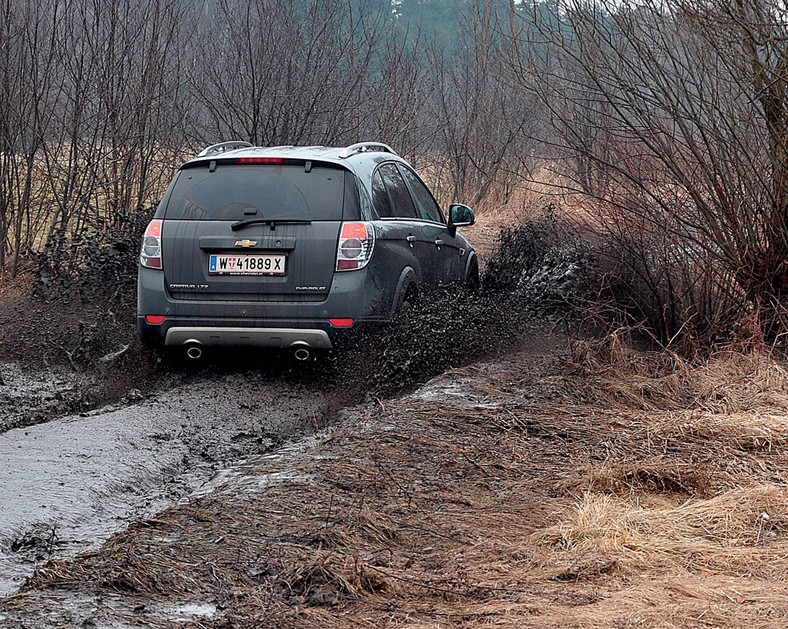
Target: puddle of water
(185, 612)
(68, 484)
(73, 609)
(455, 392)
(440, 391)
(240, 478)
(244, 474)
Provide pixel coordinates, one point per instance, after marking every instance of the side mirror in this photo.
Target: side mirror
(460, 215)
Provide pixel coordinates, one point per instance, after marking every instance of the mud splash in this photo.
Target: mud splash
(30, 396)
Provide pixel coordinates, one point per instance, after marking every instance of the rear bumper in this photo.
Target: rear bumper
(276, 325)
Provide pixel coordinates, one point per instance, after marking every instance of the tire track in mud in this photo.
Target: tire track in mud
(66, 485)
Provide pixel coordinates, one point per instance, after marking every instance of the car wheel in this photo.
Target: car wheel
(407, 304)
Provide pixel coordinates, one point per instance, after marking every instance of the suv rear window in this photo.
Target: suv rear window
(275, 191)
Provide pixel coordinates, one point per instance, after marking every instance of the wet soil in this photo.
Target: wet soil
(31, 396)
(542, 490)
(69, 483)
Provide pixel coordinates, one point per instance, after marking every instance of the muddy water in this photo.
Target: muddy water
(68, 484)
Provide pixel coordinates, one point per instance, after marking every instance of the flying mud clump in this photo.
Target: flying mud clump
(538, 271)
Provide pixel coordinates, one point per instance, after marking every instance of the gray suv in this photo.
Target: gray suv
(294, 248)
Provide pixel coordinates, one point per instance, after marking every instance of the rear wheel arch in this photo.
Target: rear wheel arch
(407, 290)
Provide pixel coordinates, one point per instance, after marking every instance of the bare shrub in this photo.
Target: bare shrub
(671, 116)
(682, 296)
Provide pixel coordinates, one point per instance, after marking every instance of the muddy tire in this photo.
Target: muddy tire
(407, 305)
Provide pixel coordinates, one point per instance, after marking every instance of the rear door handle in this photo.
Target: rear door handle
(411, 240)
(438, 243)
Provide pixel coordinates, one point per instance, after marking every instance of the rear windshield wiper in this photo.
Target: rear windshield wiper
(273, 222)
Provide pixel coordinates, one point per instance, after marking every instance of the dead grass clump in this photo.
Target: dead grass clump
(731, 533)
(681, 478)
(732, 382)
(615, 373)
(134, 574)
(765, 434)
(323, 576)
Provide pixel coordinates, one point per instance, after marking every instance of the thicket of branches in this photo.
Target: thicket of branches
(670, 117)
(666, 119)
(100, 102)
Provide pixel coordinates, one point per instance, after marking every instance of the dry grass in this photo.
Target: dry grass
(737, 533)
(728, 382)
(541, 495)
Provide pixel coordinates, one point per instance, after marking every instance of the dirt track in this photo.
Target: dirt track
(543, 490)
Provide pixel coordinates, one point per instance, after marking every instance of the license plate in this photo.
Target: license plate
(252, 264)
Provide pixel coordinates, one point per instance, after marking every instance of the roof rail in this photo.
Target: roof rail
(223, 147)
(364, 147)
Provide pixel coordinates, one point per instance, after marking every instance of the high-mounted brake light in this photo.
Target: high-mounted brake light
(356, 242)
(150, 254)
(259, 160)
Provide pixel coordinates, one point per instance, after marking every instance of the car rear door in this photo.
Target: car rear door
(401, 228)
(255, 230)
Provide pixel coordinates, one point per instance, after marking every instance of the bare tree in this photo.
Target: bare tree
(286, 73)
(27, 76)
(482, 120)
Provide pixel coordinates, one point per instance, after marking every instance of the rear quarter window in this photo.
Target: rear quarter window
(270, 191)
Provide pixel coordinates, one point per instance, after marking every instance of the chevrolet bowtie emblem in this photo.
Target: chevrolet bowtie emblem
(246, 243)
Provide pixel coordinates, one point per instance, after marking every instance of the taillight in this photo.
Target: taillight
(356, 242)
(150, 254)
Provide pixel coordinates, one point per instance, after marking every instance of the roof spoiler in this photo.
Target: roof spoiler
(366, 147)
(223, 147)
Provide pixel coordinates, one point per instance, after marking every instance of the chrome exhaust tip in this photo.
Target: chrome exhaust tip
(302, 354)
(194, 351)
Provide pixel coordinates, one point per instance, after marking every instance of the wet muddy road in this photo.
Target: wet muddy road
(69, 483)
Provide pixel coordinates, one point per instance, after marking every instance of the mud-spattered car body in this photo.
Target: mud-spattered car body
(292, 247)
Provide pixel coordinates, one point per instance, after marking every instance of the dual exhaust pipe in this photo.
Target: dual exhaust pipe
(301, 351)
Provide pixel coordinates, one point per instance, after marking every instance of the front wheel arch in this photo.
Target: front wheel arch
(472, 280)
